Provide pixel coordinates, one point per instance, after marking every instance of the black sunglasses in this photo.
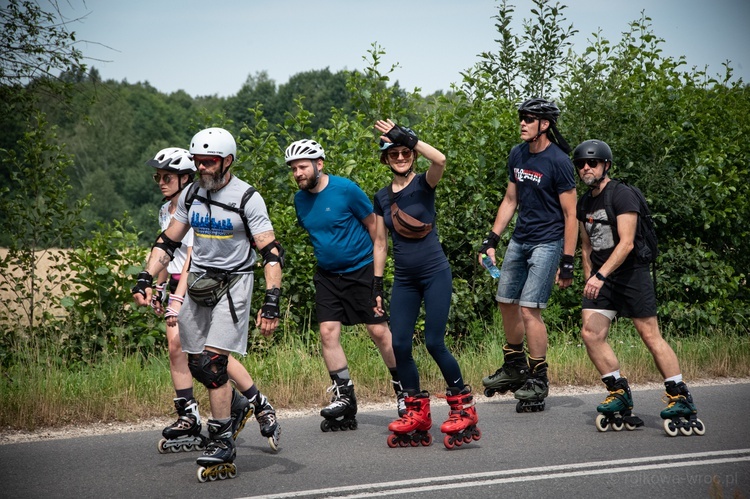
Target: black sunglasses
(528, 119)
(580, 163)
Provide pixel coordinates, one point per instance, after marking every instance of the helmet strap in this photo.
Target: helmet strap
(316, 174)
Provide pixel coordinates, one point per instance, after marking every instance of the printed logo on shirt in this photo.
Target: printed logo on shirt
(209, 227)
(524, 175)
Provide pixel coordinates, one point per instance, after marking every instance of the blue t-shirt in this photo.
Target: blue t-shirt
(333, 219)
(413, 256)
(540, 179)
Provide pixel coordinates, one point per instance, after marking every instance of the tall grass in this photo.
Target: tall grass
(42, 392)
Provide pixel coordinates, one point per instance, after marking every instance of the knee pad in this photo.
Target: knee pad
(209, 368)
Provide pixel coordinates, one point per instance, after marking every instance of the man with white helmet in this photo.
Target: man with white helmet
(339, 219)
(229, 219)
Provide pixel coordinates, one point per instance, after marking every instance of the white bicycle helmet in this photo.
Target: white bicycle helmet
(173, 159)
(304, 149)
(213, 142)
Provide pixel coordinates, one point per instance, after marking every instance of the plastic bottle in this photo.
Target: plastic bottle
(487, 263)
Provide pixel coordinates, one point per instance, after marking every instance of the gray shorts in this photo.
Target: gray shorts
(202, 327)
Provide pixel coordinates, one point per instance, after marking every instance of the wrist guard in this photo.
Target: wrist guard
(157, 297)
(270, 308)
(489, 242)
(402, 137)
(145, 281)
(377, 291)
(566, 267)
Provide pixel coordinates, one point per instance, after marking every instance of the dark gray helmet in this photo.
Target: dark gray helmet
(543, 108)
(593, 149)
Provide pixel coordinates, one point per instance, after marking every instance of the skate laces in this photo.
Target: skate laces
(671, 400)
(613, 395)
(267, 417)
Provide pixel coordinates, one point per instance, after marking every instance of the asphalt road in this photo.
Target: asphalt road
(555, 453)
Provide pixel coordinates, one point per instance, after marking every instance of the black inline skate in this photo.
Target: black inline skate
(241, 412)
(680, 415)
(185, 433)
(217, 461)
(616, 410)
(532, 394)
(510, 377)
(265, 414)
(341, 413)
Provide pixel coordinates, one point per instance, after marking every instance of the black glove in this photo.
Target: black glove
(402, 136)
(489, 242)
(566, 267)
(377, 292)
(270, 308)
(145, 281)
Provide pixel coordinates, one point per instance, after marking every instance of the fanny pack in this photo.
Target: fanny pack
(407, 225)
(207, 288)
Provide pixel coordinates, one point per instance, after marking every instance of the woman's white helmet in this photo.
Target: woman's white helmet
(213, 142)
(173, 159)
(304, 149)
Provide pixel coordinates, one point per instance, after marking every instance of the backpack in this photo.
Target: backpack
(645, 242)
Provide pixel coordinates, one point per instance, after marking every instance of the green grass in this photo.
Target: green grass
(39, 392)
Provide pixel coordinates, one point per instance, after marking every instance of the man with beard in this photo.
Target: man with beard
(619, 283)
(225, 214)
(339, 219)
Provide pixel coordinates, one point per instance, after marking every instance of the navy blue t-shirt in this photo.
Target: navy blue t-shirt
(413, 256)
(333, 218)
(540, 179)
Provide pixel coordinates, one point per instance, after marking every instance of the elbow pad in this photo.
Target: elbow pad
(166, 245)
(269, 256)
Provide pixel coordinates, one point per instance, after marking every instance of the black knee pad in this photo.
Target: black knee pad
(210, 368)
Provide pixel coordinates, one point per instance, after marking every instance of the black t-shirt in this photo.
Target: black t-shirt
(602, 236)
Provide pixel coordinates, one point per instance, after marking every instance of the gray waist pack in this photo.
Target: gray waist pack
(207, 288)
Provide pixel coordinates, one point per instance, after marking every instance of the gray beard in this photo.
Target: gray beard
(211, 183)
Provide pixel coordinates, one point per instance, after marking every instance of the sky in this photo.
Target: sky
(210, 48)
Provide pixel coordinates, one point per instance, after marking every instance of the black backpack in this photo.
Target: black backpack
(645, 245)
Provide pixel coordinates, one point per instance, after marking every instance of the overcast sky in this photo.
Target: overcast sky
(210, 47)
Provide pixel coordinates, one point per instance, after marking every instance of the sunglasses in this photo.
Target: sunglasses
(581, 163)
(167, 177)
(207, 162)
(406, 153)
(527, 119)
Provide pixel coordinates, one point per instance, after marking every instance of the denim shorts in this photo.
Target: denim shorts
(528, 273)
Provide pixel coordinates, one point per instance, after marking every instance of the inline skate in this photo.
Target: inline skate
(616, 408)
(536, 388)
(413, 427)
(680, 415)
(341, 413)
(241, 411)
(461, 426)
(265, 414)
(510, 377)
(185, 433)
(217, 461)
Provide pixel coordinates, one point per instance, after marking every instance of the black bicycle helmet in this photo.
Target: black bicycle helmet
(543, 108)
(593, 149)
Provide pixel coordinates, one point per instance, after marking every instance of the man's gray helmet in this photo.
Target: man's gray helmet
(593, 149)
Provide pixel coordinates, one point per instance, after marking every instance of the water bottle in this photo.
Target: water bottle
(487, 262)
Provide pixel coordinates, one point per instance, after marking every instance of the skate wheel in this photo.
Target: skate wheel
(403, 443)
(686, 430)
(187, 447)
(699, 428)
(427, 440)
(601, 423)
(223, 474)
(325, 426)
(617, 425)
(202, 478)
(670, 428)
(519, 407)
(476, 434)
(160, 446)
(489, 392)
(448, 442)
(232, 471)
(392, 441)
(630, 427)
(414, 443)
(272, 444)
(467, 438)
(353, 425)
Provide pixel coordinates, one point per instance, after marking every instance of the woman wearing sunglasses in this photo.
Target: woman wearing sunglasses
(406, 207)
(174, 171)
(542, 188)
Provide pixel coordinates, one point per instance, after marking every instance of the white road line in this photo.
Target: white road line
(517, 475)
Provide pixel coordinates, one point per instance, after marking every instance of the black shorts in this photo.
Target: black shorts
(345, 298)
(630, 294)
